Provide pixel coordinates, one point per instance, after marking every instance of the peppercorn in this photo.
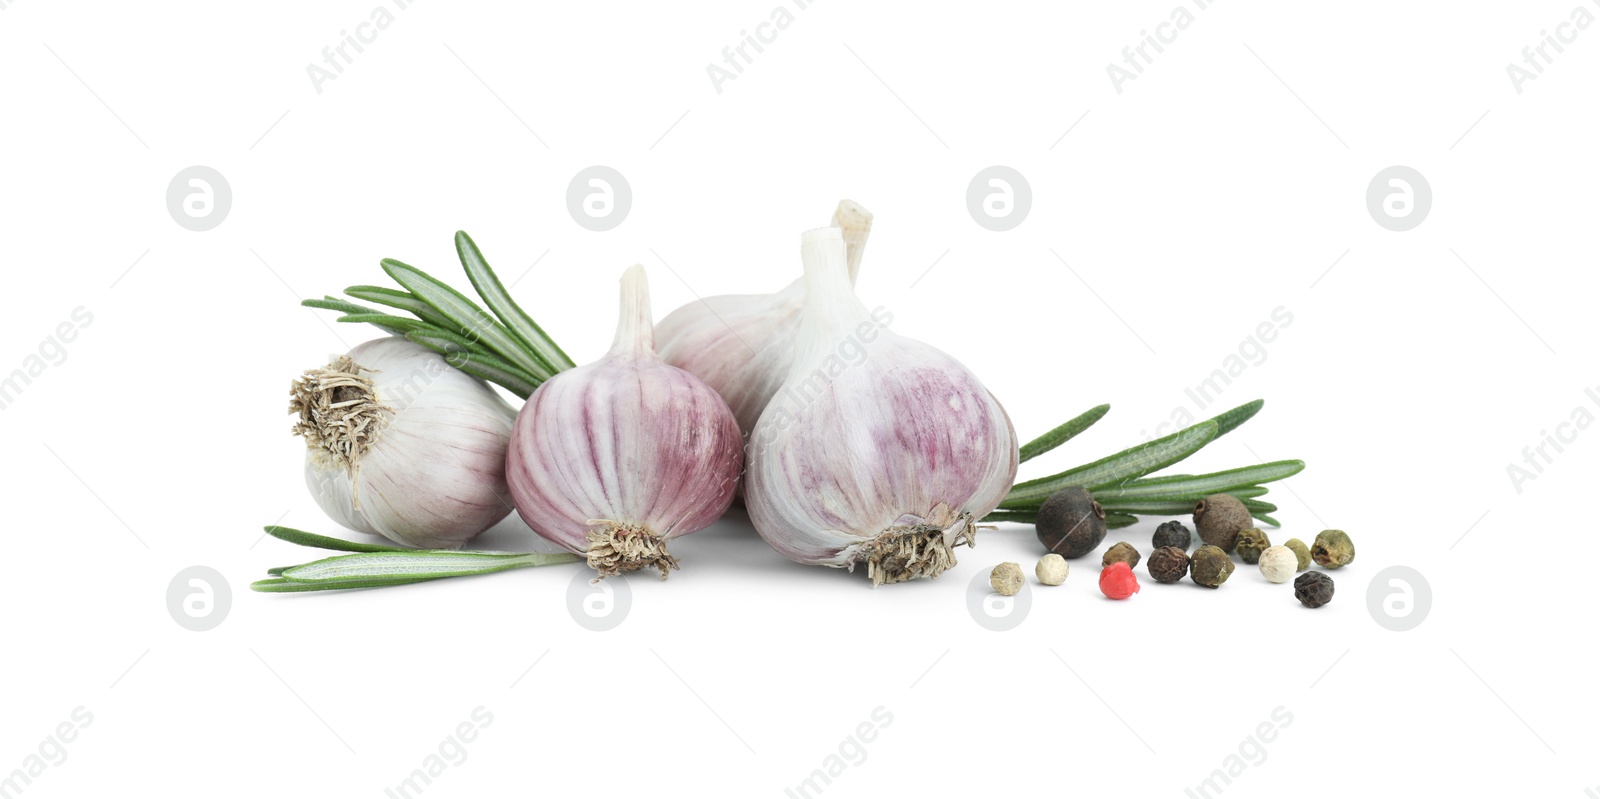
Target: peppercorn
(1210, 566)
(1278, 564)
(1171, 534)
(1168, 564)
(1051, 569)
(1120, 552)
(1302, 554)
(1070, 523)
(1219, 518)
(1006, 579)
(1313, 589)
(1250, 544)
(1118, 581)
(1332, 549)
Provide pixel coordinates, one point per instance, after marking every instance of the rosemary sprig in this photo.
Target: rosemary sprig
(1175, 507)
(443, 341)
(1195, 487)
(1119, 482)
(1062, 434)
(1178, 506)
(1116, 520)
(375, 566)
(466, 314)
(499, 300)
(507, 348)
(315, 541)
(1114, 469)
(403, 300)
(495, 370)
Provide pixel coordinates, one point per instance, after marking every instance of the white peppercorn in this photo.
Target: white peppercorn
(1278, 564)
(1051, 569)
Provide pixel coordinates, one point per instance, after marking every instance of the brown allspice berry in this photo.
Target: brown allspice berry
(1120, 552)
(1219, 518)
(1210, 566)
(1313, 589)
(1250, 543)
(1332, 549)
(1070, 523)
(1168, 564)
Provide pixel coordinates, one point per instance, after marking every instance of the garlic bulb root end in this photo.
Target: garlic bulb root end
(901, 554)
(340, 414)
(616, 548)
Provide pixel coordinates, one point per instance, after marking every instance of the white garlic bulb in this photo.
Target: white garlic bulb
(614, 459)
(742, 345)
(402, 445)
(877, 449)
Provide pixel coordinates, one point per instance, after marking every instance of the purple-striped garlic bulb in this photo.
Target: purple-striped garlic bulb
(877, 449)
(614, 459)
(742, 345)
(400, 444)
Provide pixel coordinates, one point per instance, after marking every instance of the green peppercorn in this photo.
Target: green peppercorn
(1250, 544)
(1168, 564)
(1210, 566)
(1219, 518)
(1070, 523)
(1332, 549)
(1313, 589)
(1302, 553)
(1171, 534)
(1120, 552)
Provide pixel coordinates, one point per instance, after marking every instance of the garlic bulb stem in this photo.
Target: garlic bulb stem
(635, 329)
(742, 345)
(832, 307)
(855, 223)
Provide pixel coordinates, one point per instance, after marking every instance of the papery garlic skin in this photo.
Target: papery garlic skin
(742, 345)
(878, 449)
(402, 445)
(614, 459)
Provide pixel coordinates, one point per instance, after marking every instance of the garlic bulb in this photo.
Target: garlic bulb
(742, 345)
(401, 445)
(877, 448)
(614, 459)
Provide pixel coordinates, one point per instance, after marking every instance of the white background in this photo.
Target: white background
(1167, 221)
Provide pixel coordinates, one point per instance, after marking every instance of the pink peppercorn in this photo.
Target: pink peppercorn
(1118, 581)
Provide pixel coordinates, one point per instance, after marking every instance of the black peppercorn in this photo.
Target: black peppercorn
(1210, 566)
(1171, 534)
(1168, 564)
(1250, 543)
(1070, 523)
(1219, 518)
(1313, 589)
(1120, 552)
